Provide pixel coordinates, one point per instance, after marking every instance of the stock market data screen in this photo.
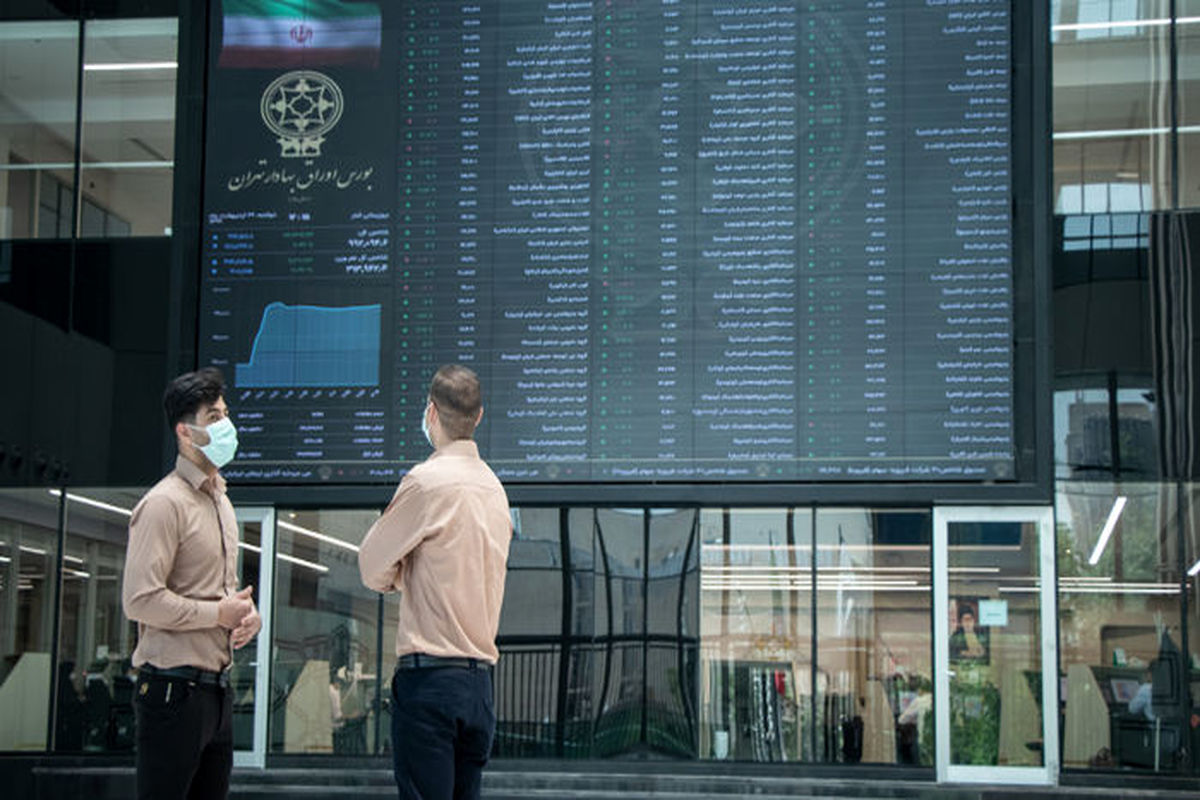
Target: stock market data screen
(705, 240)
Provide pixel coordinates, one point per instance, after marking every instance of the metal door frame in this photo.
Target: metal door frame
(255, 757)
(1043, 516)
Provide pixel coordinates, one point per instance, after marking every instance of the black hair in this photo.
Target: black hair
(456, 393)
(186, 393)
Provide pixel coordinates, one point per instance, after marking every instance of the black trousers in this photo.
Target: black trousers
(443, 721)
(184, 739)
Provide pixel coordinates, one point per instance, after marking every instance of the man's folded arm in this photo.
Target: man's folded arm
(393, 536)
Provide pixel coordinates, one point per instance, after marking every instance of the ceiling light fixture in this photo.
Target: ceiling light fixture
(87, 501)
(321, 537)
(129, 66)
(1113, 515)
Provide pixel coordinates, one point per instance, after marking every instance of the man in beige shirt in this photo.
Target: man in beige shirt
(180, 586)
(442, 543)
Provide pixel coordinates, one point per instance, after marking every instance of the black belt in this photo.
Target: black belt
(422, 661)
(203, 677)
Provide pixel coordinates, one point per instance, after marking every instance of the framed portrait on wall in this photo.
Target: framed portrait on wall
(969, 640)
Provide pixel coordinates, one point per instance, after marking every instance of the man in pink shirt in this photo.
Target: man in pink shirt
(442, 543)
(180, 586)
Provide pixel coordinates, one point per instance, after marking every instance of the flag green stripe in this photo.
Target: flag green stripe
(300, 9)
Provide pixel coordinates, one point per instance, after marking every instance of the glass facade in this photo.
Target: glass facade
(38, 86)
(94, 704)
(757, 667)
(776, 635)
(1187, 96)
(127, 139)
(28, 552)
(119, 130)
(1112, 108)
(326, 670)
(1125, 181)
(1129, 671)
(824, 658)
(874, 645)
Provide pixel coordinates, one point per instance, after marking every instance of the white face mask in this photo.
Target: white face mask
(222, 442)
(425, 428)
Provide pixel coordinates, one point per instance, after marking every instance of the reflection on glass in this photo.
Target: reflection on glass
(620, 560)
(1119, 620)
(95, 713)
(1112, 115)
(526, 681)
(1187, 43)
(326, 682)
(756, 665)
(670, 647)
(1085, 433)
(588, 668)
(874, 650)
(1190, 694)
(128, 127)
(28, 548)
(38, 67)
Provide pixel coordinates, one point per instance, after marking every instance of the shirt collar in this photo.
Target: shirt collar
(198, 479)
(458, 447)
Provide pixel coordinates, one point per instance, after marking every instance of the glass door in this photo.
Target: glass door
(994, 645)
(250, 677)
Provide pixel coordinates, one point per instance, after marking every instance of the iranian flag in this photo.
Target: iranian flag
(300, 33)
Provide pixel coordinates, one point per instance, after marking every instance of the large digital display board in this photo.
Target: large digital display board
(680, 240)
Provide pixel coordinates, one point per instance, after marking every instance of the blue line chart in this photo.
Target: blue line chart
(313, 346)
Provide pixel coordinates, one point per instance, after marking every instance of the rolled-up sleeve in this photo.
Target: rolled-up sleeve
(393, 536)
(154, 531)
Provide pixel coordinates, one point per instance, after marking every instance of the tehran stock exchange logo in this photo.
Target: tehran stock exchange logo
(300, 107)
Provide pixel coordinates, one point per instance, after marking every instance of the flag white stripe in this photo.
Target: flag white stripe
(283, 33)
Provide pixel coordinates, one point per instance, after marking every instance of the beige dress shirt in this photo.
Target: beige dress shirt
(181, 560)
(443, 544)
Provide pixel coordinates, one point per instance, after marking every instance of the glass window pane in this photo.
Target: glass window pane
(326, 672)
(1111, 139)
(1136, 436)
(1085, 434)
(128, 137)
(28, 547)
(1119, 626)
(621, 621)
(670, 652)
(586, 665)
(995, 644)
(1187, 33)
(91, 219)
(1191, 687)
(1082, 443)
(874, 645)
(756, 665)
(97, 715)
(533, 590)
(38, 67)
(526, 680)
